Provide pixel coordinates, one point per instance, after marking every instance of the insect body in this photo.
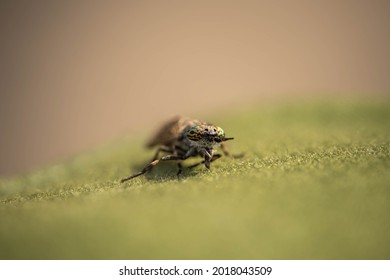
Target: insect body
(182, 138)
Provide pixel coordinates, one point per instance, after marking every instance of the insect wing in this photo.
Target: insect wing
(169, 132)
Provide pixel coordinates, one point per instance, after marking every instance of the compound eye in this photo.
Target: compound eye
(194, 135)
(217, 139)
(221, 133)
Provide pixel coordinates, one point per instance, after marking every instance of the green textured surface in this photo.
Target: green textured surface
(314, 184)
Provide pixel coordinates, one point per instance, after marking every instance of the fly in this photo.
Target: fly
(182, 138)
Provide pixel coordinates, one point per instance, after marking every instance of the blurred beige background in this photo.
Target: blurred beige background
(75, 74)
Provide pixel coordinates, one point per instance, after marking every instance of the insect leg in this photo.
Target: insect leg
(207, 158)
(161, 149)
(225, 150)
(215, 157)
(176, 157)
(175, 150)
(228, 154)
(180, 166)
(173, 157)
(150, 165)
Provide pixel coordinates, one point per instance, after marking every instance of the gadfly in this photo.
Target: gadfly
(182, 138)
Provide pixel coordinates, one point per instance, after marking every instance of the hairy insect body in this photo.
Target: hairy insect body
(182, 138)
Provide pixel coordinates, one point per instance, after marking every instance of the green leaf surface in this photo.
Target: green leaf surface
(314, 184)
